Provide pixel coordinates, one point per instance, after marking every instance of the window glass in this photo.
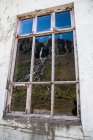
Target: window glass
(43, 23)
(18, 99)
(42, 62)
(26, 26)
(65, 100)
(62, 19)
(64, 57)
(41, 99)
(23, 60)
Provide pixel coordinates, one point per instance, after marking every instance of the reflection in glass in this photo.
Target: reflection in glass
(42, 62)
(65, 100)
(18, 99)
(23, 60)
(64, 57)
(62, 19)
(41, 99)
(26, 26)
(43, 23)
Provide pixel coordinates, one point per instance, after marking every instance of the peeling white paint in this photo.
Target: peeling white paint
(84, 31)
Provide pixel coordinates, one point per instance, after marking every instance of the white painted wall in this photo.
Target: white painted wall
(84, 31)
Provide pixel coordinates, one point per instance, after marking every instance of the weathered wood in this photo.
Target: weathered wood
(55, 30)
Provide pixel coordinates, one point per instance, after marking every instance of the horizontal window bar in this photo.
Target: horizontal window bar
(48, 82)
(55, 30)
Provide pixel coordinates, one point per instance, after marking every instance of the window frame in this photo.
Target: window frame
(34, 34)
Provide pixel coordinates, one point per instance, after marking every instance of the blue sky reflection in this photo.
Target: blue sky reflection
(26, 26)
(43, 23)
(63, 20)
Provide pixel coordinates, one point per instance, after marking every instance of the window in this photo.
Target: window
(44, 73)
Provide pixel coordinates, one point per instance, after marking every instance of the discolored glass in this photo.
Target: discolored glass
(23, 60)
(18, 99)
(41, 99)
(63, 20)
(64, 57)
(26, 26)
(42, 61)
(65, 100)
(43, 23)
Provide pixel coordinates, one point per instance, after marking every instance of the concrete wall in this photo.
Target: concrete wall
(84, 31)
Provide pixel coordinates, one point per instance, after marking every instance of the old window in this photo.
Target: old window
(44, 73)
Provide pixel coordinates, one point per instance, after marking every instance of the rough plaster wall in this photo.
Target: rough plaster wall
(84, 29)
(41, 131)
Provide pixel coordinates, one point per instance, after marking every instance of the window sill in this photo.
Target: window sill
(64, 119)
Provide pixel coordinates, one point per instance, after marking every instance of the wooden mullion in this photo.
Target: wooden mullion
(52, 75)
(76, 64)
(9, 97)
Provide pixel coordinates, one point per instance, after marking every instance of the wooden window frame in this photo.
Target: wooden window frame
(34, 34)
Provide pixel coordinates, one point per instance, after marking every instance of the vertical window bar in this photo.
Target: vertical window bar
(28, 99)
(29, 87)
(35, 24)
(71, 17)
(18, 27)
(12, 67)
(76, 63)
(53, 64)
(10, 76)
(52, 75)
(9, 97)
(52, 21)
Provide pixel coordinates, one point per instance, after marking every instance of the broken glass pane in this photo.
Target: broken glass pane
(63, 20)
(65, 100)
(23, 60)
(43, 23)
(41, 99)
(26, 26)
(42, 62)
(64, 57)
(18, 99)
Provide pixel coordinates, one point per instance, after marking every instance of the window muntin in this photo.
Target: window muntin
(52, 81)
(43, 23)
(62, 19)
(26, 26)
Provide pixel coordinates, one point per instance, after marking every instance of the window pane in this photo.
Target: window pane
(65, 100)
(43, 23)
(26, 26)
(42, 62)
(23, 60)
(64, 57)
(63, 20)
(41, 99)
(18, 99)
